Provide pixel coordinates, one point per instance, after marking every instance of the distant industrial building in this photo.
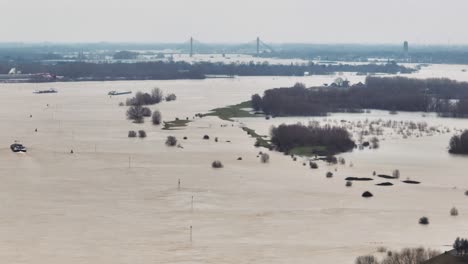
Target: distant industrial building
(405, 48)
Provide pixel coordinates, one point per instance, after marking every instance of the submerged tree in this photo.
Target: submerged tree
(136, 113)
(459, 143)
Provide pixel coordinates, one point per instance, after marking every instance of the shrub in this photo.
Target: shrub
(171, 97)
(121, 104)
(466, 193)
(156, 118)
(146, 112)
(366, 260)
(206, 137)
(216, 139)
(374, 143)
(132, 134)
(381, 249)
(313, 165)
(171, 141)
(349, 183)
(424, 220)
(454, 211)
(341, 160)
(265, 158)
(216, 164)
(141, 134)
(329, 174)
(135, 113)
(367, 194)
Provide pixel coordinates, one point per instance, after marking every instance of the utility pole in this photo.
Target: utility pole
(192, 204)
(258, 46)
(191, 228)
(191, 46)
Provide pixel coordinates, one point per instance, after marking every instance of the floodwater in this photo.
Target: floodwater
(117, 200)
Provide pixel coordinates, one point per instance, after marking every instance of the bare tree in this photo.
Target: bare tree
(135, 113)
(157, 95)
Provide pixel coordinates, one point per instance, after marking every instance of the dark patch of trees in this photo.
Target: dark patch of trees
(288, 137)
(159, 70)
(444, 96)
(256, 102)
(406, 256)
(141, 98)
(459, 143)
(461, 246)
(125, 55)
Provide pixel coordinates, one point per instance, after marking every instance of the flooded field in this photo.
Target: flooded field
(118, 200)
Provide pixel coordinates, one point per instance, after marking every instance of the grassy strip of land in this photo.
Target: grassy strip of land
(233, 111)
(308, 151)
(176, 124)
(260, 140)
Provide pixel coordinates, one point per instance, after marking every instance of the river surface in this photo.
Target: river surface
(117, 200)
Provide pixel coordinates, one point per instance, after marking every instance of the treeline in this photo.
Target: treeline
(444, 96)
(333, 139)
(183, 70)
(266, 69)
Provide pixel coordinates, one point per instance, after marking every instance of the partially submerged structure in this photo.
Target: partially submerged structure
(16, 147)
(50, 90)
(119, 93)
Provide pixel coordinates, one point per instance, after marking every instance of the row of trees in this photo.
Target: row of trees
(405, 256)
(459, 143)
(333, 139)
(393, 94)
(181, 70)
(140, 98)
(461, 246)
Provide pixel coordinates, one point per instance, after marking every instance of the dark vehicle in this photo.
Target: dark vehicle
(17, 147)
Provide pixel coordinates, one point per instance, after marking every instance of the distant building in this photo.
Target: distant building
(405, 48)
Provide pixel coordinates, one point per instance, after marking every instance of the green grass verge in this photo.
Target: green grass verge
(260, 140)
(176, 124)
(308, 151)
(233, 111)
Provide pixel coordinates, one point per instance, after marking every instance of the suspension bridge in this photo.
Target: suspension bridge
(255, 47)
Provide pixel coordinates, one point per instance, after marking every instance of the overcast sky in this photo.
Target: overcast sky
(311, 21)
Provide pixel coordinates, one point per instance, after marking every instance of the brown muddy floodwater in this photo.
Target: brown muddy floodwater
(116, 200)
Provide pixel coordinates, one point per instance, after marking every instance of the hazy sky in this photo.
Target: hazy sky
(314, 21)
